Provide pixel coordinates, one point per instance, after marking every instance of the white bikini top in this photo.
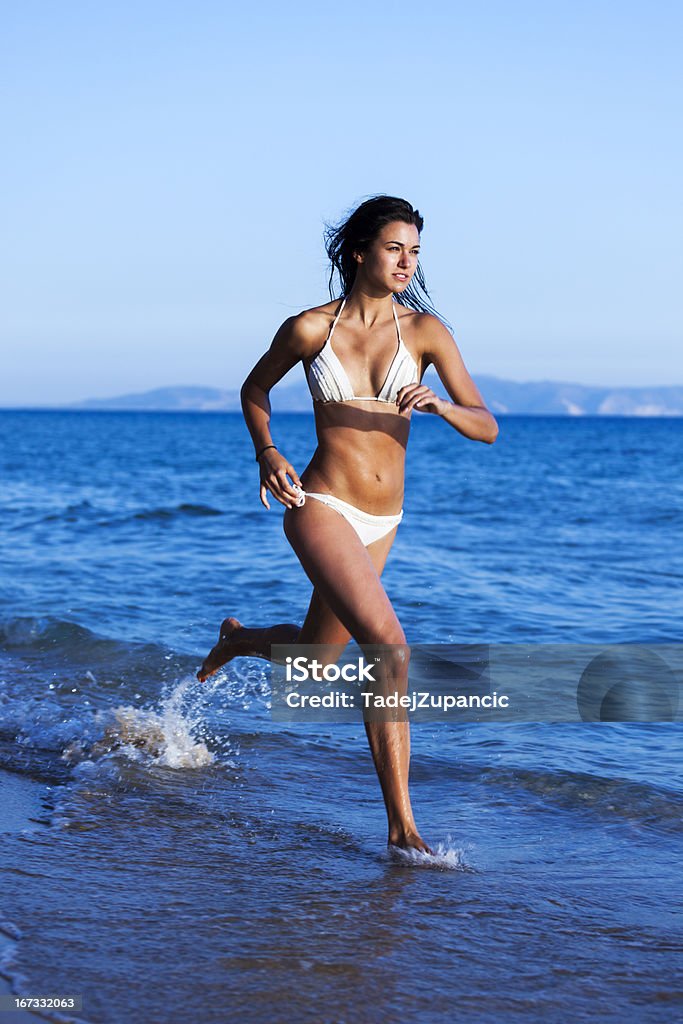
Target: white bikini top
(328, 381)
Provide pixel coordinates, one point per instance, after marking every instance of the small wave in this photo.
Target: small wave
(71, 513)
(617, 799)
(185, 509)
(445, 857)
(85, 655)
(41, 633)
(9, 929)
(85, 512)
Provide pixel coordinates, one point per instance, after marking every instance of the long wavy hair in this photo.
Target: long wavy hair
(357, 232)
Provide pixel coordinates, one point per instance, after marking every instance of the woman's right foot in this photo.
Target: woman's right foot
(409, 841)
(228, 647)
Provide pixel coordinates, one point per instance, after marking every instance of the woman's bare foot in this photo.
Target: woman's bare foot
(226, 649)
(409, 841)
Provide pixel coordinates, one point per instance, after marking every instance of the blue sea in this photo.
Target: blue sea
(170, 853)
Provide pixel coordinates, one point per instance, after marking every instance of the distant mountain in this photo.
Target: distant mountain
(541, 398)
(175, 399)
(557, 398)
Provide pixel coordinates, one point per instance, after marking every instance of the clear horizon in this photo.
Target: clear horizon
(170, 174)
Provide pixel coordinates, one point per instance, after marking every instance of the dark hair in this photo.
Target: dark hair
(358, 231)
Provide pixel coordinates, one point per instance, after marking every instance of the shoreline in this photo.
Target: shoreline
(23, 801)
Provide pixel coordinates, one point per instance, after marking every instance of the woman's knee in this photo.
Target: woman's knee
(387, 631)
(390, 649)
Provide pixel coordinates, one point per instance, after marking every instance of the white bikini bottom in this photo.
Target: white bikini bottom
(368, 527)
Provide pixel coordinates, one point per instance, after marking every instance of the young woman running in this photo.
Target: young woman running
(344, 509)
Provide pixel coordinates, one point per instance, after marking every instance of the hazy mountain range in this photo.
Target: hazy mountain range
(555, 398)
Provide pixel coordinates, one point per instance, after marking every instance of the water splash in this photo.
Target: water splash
(163, 736)
(445, 857)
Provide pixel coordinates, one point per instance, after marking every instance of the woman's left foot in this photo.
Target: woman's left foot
(226, 649)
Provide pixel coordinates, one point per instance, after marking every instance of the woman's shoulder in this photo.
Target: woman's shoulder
(318, 314)
(310, 327)
(423, 328)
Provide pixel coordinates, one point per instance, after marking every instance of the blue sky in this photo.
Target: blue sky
(169, 168)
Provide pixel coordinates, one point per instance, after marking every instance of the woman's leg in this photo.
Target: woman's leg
(352, 591)
(348, 600)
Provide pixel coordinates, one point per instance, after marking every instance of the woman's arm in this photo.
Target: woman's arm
(293, 341)
(467, 411)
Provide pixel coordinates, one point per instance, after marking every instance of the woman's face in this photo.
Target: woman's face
(391, 259)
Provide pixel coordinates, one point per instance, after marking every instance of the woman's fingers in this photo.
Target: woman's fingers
(276, 473)
(414, 395)
(427, 403)
(281, 489)
(272, 485)
(287, 488)
(405, 394)
(295, 476)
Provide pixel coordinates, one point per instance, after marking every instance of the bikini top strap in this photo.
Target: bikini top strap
(339, 313)
(398, 328)
(334, 322)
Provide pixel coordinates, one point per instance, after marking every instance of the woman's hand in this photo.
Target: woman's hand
(422, 398)
(274, 472)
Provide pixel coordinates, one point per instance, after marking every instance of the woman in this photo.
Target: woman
(344, 510)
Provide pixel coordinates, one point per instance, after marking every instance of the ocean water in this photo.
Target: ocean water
(190, 858)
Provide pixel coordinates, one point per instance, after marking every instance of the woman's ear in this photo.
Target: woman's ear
(358, 257)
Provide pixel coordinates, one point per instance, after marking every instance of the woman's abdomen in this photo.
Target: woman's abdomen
(365, 467)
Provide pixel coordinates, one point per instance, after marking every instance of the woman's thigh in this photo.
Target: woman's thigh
(348, 597)
(321, 625)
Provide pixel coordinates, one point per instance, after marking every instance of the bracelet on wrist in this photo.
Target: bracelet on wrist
(265, 449)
